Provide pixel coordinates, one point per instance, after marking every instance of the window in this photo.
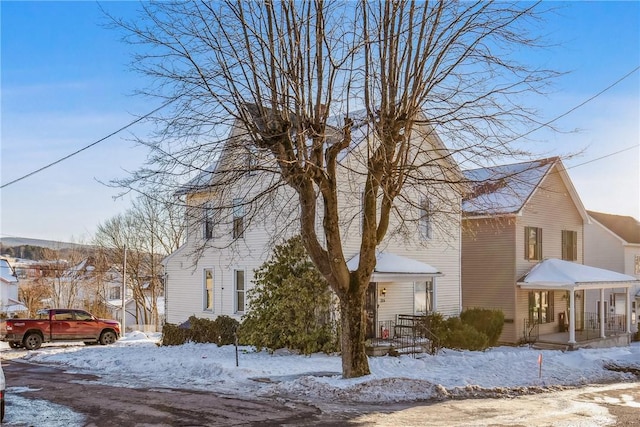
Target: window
(207, 215)
(541, 307)
(637, 265)
(208, 290)
(423, 297)
(239, 289)
(425, 220)
(569, 245)
(532, 243)
(251, 160)
(83, 315)
(114, 292)
(238, 219)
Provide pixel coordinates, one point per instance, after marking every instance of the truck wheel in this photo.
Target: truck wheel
(32, 341)
(14, 344)
(108, 337)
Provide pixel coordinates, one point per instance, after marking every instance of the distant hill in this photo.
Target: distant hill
(49, 244)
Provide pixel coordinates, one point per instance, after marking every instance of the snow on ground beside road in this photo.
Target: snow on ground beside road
(136, 360)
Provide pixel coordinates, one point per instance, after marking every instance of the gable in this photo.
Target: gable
(507, 189)
(625, 227)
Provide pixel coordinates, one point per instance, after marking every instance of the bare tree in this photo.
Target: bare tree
(283, 70)
(149, 231)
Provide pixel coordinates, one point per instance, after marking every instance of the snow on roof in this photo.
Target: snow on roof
(6, 272)
(390, 263)
(556, 273)
(201, 181)
(503, 189)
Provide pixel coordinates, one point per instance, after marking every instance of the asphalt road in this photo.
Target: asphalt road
(104, 406)
(84, 401)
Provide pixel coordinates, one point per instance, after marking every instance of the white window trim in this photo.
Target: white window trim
(235, 290)
(204, 290)
(425, 219)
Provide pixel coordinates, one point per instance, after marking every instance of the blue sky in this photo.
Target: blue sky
(66, 83)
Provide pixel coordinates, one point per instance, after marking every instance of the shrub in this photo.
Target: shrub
(220, 331)
(174, 334)
(489, 322)
(462, 336)
(291, 304)
(453, 332)
(226, 327)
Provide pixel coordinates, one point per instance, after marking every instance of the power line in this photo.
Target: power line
(174, 99)
(89, 146)
(577, 106)
(605, 156)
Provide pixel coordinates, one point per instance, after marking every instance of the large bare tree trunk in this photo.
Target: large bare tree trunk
(353, 330)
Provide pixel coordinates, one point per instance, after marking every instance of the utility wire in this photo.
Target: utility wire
(173, 100)
(90, 145)
(604, 157)
(577, 106)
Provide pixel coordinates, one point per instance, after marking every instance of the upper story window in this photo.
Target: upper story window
(251, 161)
(238, 219)
(426, 219)
(569, 245)
(636, 267)
(533, 243)
(207, 221)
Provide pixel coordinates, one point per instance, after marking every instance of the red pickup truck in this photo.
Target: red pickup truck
(58, 324)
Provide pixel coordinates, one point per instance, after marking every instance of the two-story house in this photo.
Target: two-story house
(522, 253)
(613, 242)
(418, 264)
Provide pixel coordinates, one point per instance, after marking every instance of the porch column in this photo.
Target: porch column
(601, 313)
(572, 317)
(628, 294)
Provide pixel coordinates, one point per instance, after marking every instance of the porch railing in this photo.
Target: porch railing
(614, 324)
(407, 334)
(531, 331)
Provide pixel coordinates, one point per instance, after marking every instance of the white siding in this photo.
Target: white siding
(184, 281)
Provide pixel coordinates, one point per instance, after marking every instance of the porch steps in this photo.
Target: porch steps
(539, 345)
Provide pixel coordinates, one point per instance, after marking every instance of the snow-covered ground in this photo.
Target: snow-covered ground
(138, 361)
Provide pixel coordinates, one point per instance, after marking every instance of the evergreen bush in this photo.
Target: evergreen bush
(462, 336)
(291, 304)
(220, 331)
(489, 322)
(174, 335)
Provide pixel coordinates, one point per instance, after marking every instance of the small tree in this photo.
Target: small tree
(291, 304)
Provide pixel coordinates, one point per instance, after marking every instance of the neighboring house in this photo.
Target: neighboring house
(9, 303)
(418, 268)
(136, 313)
(613, 242)
(523, 234)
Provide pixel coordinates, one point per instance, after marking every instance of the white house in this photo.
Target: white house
(9, 303)
(418, 268)
(613, 242)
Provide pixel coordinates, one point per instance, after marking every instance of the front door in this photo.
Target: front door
(371, 310)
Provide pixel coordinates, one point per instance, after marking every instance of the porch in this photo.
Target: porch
(555, 274)
(588, 334)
